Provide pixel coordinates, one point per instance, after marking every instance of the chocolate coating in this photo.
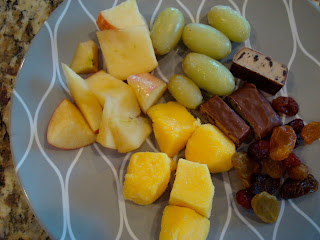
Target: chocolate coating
(218, 113)
(255, 109)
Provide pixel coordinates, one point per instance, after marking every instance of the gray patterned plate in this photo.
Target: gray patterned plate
(77, 194)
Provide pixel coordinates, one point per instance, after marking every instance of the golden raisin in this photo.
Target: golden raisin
(266, 207)
(282, 142)
(298, 172)
(273, 168)
(245, 167)
(311, 132)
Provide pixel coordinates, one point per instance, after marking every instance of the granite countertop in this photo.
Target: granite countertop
(19, 22)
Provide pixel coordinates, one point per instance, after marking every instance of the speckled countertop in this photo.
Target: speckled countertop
(19, 22)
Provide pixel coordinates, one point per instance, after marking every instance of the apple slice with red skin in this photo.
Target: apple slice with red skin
(148, 89)
(121, 16)
(68, 129)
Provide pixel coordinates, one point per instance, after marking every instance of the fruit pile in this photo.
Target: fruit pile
(119, 110)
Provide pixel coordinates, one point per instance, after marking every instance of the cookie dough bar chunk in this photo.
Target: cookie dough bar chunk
(266, 73)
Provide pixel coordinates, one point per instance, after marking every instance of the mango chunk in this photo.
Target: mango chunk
(180, 223)
(208, 145)
(173, 125)
(193, 187)
(147, 177)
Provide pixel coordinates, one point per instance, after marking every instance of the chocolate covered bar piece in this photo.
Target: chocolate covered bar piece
(255, 109)
(263, 71)
(218, 113)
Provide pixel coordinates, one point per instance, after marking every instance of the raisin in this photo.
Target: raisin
(297, 125)
(266, 207)
(299, 141)
(245, 167)
(282, 142)
(296, 188)
(264, 183)
(291, 161)
(285, 105)
(311, 132)
(273, 168)
(259, 149)
(244, 198)
(298, 172)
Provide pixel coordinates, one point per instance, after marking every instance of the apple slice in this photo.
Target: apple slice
(102, 84)
(110, 110)
(129, 133)
(127, 51)
(148, 89)
(85, 58)
(124, 15)
(84, 98)
(68, 129)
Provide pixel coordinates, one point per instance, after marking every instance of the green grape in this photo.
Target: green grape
(208, 74)
(167, 30)
(230, 22)
(185, 91)
(207, 40)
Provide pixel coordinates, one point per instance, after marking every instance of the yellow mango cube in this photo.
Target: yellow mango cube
(193, 187)
(208, 145)
(180, 223)
(173, 125)
(85, 58)
(147, 177)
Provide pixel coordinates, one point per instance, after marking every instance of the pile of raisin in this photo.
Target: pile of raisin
(266, 161)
